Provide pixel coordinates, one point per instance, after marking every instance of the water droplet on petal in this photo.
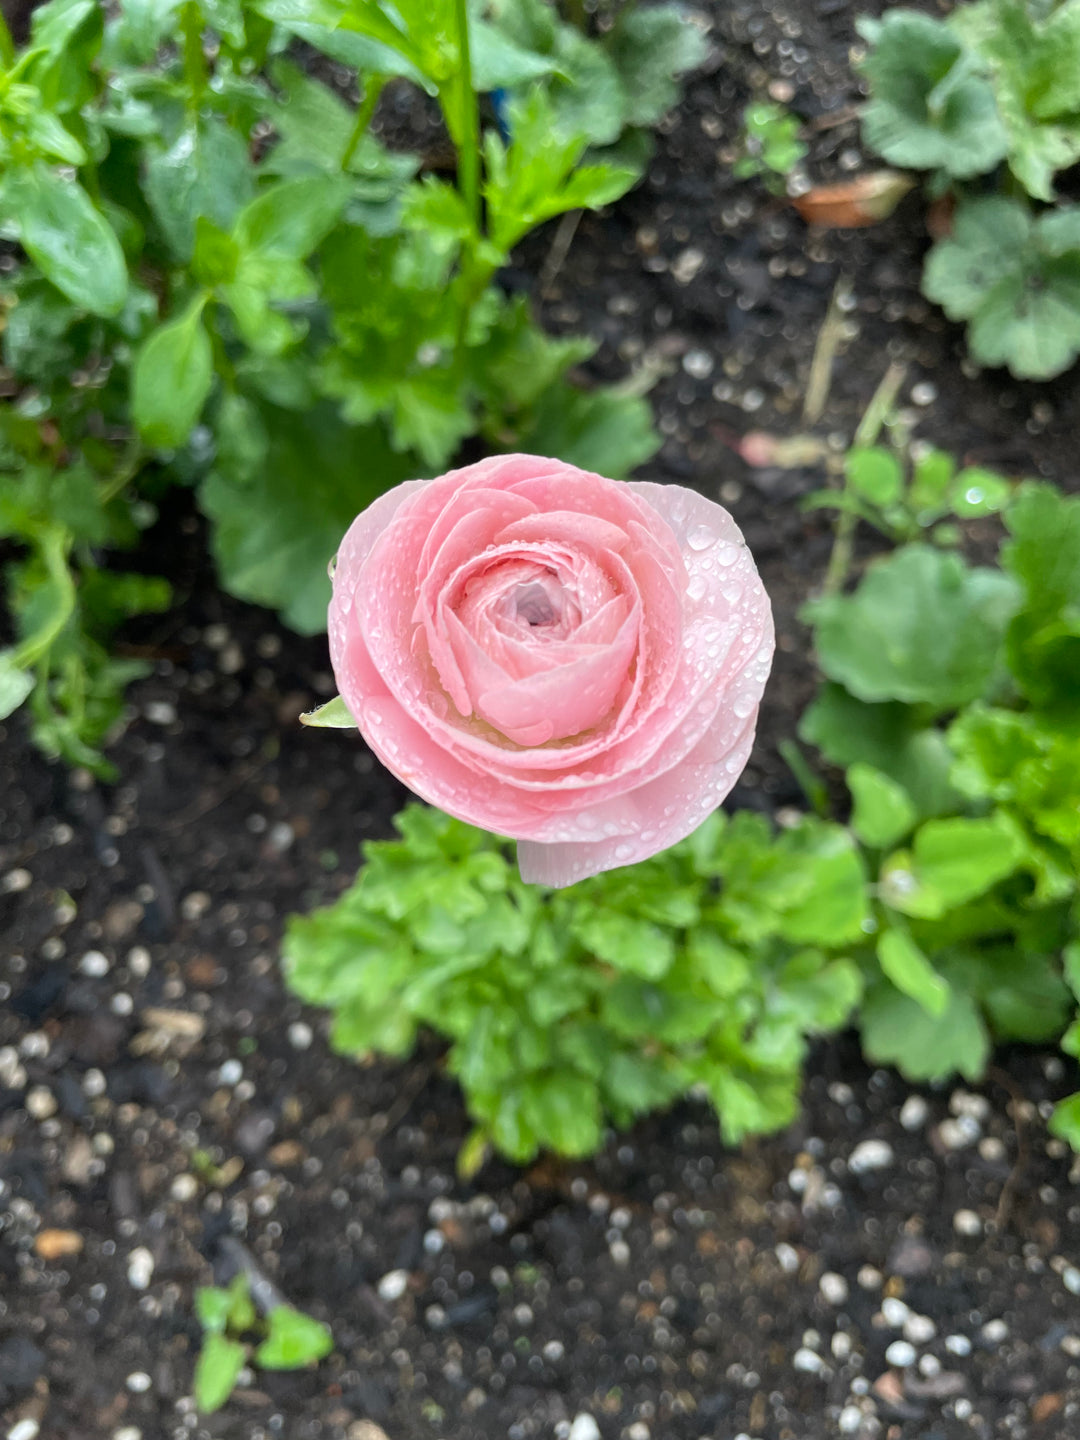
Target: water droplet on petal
(623, 852)
(727, 554)
(697, 587)
(743, 706)
(701, 537)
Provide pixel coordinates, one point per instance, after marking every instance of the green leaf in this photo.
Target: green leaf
(289, 220)
(334, 715)
(600, 430)
(1044, 551)
(1065, 1121)
(1016, 280)
(215, 256)
(69, 240)
(976, 492)
(499, 63)
(212, 1307)
(295, 1340)
(930, 108)
(276, 530)
(922, 627)
(636, 946)
(724, 969)
(205, 171)
(928, 495)
(216, 1372)
(832, 908)
(875, 474)
(173, 374)
(952, 861)
(15, 684)
(910, 971)
(890, 737)
(651, 47)
(897, 1030)
(882, 812)
(749, 1106)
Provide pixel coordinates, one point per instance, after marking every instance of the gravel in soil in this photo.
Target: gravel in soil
(900, 1263)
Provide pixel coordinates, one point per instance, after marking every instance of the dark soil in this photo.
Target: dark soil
(167, 1112)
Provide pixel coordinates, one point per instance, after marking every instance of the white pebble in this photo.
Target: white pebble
(638, 1431)
(900, 1353)
(833, 1287)
(788, 1257)
(16, 881)
(94, 964)
(584, 1427)
(121, 1003)
(127, 1432)
(995, 1331)
(840, 1345)
(870, 1155)
(851, 1418)
(958, 1345)
(929, 1365)
(913, 1112)
(869, 1278)
(963, 1409)
(960, 1132)
(966, 1222)
(160, 712)
(619, 1251)
(140, 1268)
(919, 1329)
(991, 1149)
(807, 1361)
(231, 1072)
(40, 1103)
(896, 1313)
(393, 1285)
(963, 1102)
(12, 1074)
(25, 1430)
(93, 1084)
(138, 962)
(1070, 1278)
(434, 1241)
(300, 1035)
(184, 1187)
(138, 1382)
(554, 1350)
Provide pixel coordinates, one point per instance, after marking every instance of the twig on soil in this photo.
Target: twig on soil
(828, 342)
(1008, 1190)
(560, 248)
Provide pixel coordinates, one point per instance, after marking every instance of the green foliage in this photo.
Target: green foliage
(770, 143)
(289, 1340)
(995, 82)
(229, 276)
(969, 763)
(703, 970)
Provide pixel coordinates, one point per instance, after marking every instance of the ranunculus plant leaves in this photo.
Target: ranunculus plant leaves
(173, 375)
(923, 627)
(69, 239)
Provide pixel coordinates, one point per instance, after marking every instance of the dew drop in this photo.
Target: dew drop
(974, 495)
(623, 852)
(743, 706)
(727, 554)
(701, 537)
(697, 587)
(731, 593)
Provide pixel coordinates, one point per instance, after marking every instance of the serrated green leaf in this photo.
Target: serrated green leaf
(897, 1030)
(1065, 1121)
(882, 811)
(205, 171)
(952, 861)
(599, 430)
(650, 48)
(636, 946)
(977, 492)
(909, 970)
(875, 474)
(923, 627)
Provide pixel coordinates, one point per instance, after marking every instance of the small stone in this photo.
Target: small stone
(919, 1329)
(850, 1419)
(231, 1072)
(900, 1353)
(833, 1287)
(684, 268)
(870, 1155)
(138, 1382)
(160, 712)
(619, 1251)
(995, 1331)
(195, 905)
(976, 1107)
(366, 1430)
(1070, 1278)
(869, 1278)
(393, 1285)
(992, 1150)
(698, 363)
(840, 1345)
(807, 1360)
(54, 1245)
(94, 964)
(959, 1132)
(638, 1431)
(929, 1365)
(140, 1268)
(24, 1430)
(12, 1074)
(924, 393)
(788, 1257)
(966, 1222)
(40, 1103)
(584, 1427)
(913, 1112)
(958, 1345)
(94, 1084)
(138, 962)
(895, 1312)
(127, 1432)
(183, 1188)
(16, 881)
(553, 1351)
(300, 1035)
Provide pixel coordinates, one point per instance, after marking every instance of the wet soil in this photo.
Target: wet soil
(899, 1264)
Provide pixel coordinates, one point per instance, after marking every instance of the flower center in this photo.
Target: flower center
(533, 604)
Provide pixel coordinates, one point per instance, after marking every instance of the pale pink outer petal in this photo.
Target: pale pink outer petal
(644, 790)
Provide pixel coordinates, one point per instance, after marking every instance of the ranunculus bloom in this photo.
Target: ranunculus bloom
(571, 661)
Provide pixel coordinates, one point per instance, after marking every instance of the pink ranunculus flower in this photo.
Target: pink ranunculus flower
(567, 660)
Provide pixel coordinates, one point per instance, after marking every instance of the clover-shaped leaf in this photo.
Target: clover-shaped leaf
(931, 107)
(1016, 279)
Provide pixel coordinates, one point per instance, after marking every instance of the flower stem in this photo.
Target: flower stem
(468, 120)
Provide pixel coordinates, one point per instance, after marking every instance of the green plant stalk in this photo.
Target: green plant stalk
(874, 417)
(365, 110)
(54, 549)
(125, 472)
(469, 119)
(7, 45)
(194, 58)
